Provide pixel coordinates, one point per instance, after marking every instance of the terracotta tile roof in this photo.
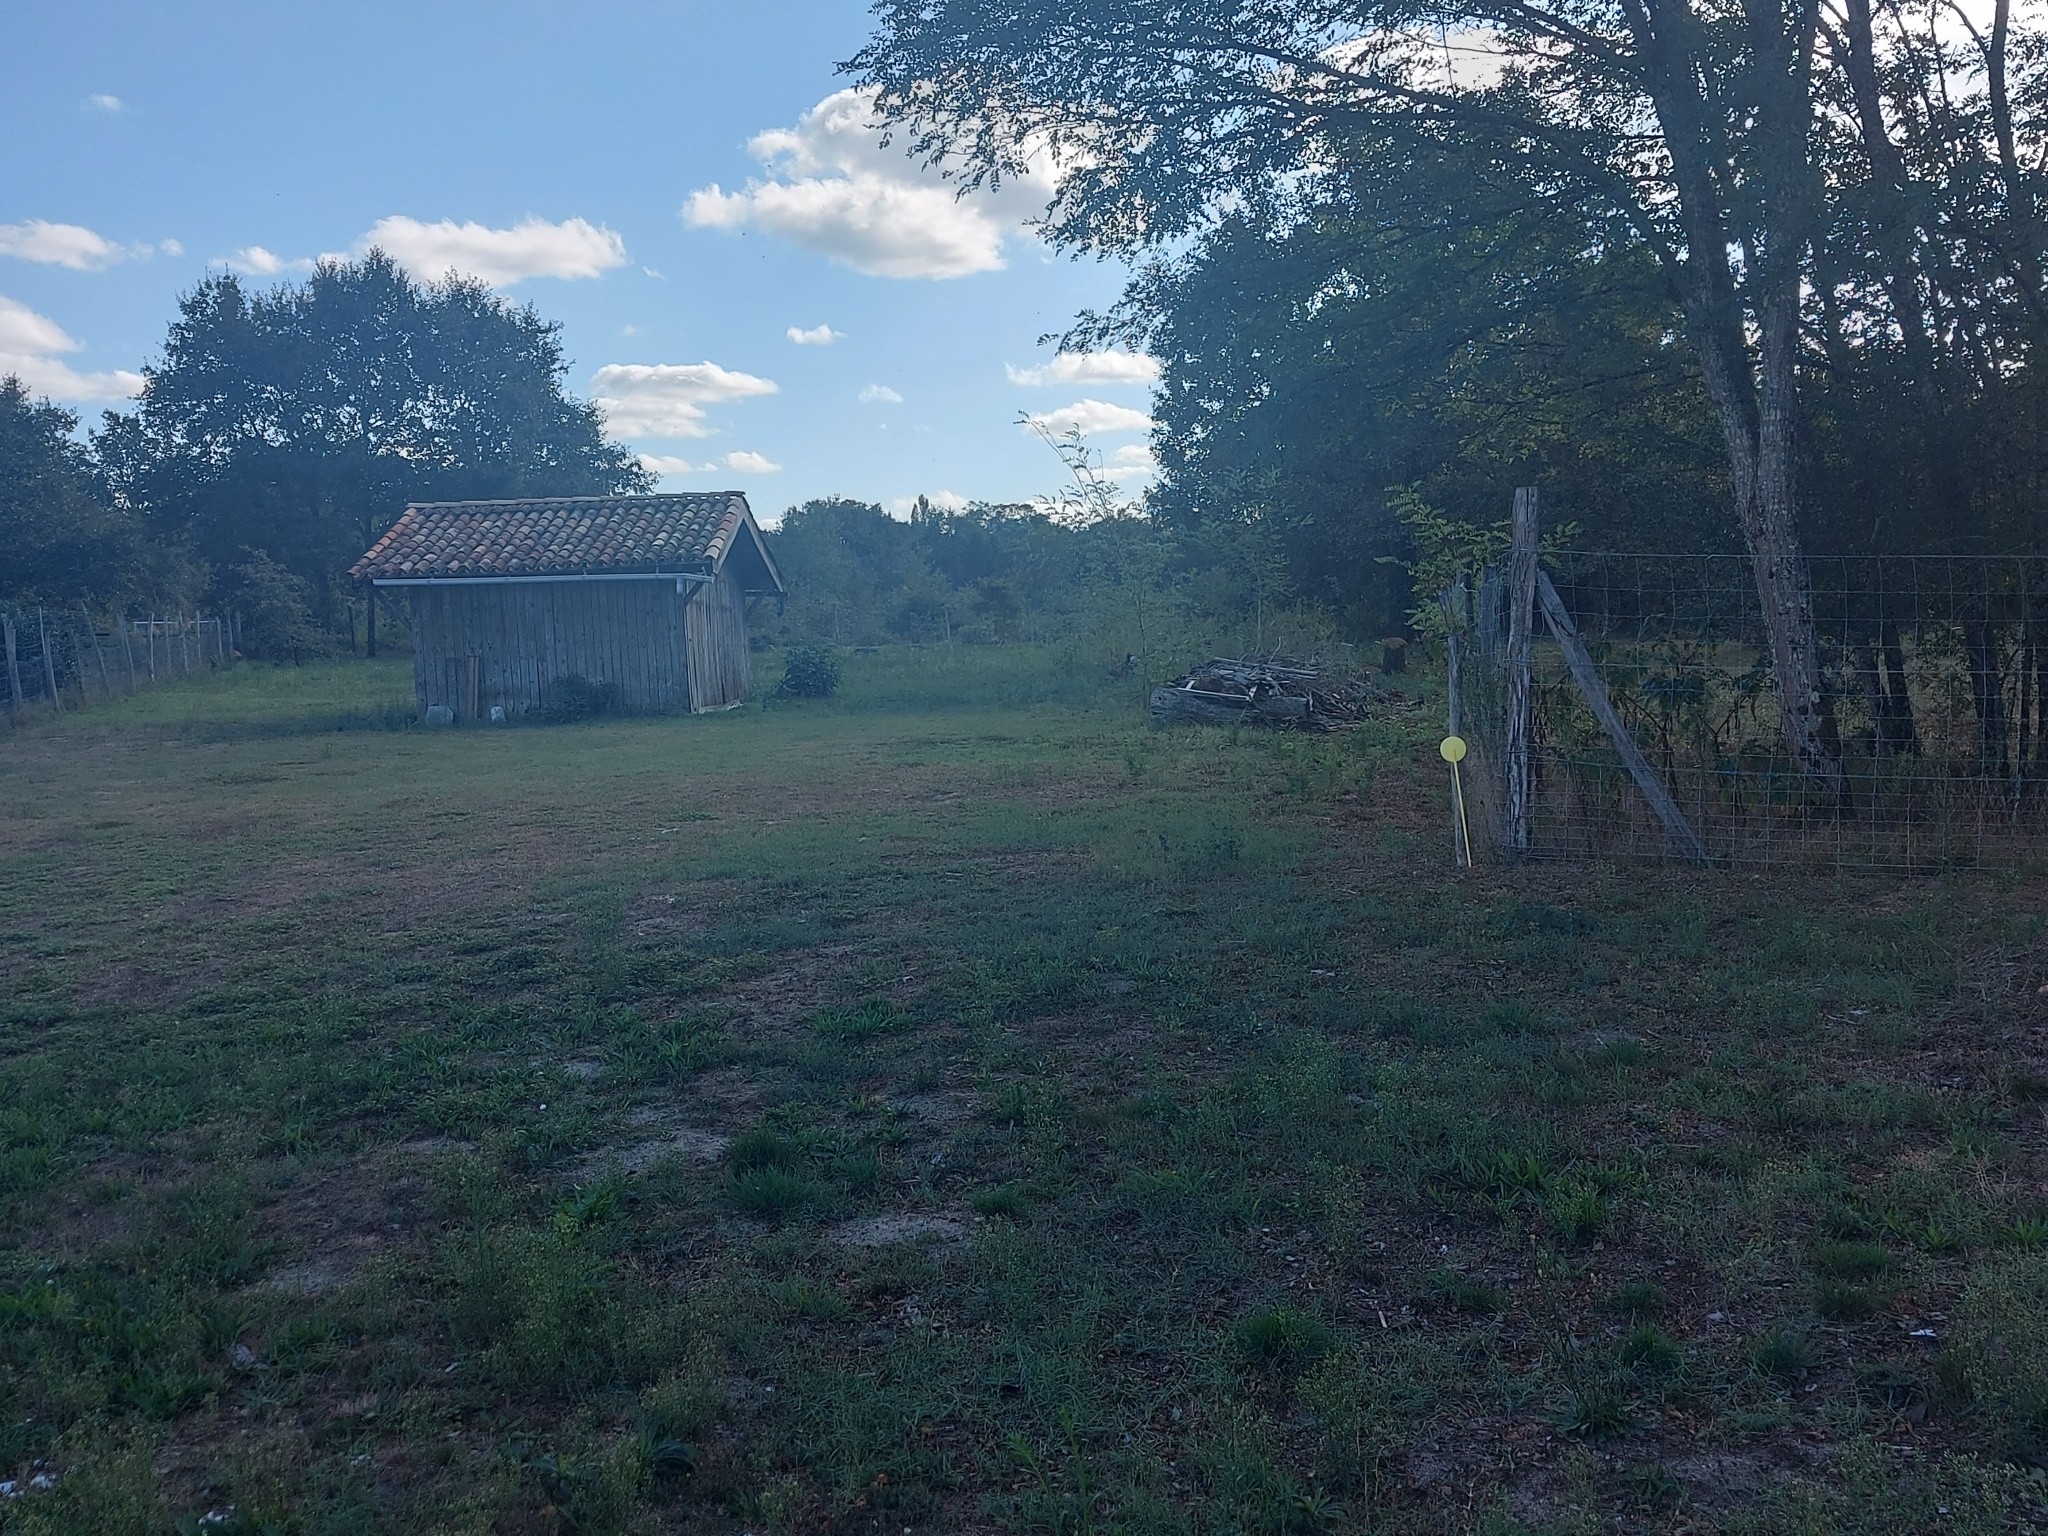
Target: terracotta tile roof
(558, 536)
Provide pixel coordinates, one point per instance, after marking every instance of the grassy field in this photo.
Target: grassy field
(959, 1107)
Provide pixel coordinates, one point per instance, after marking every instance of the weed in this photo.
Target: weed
(1594, 1411)
(1578, 1211)
(1460, 1292)
(1841, 1302)
(1782, 1354)
(2023, 1232)
(856, 1022)
(1653, 1486)
(760, 1148)
(773, 1193)
(1637, 1299)
(1649, 1349)
(1283, 1339)
(591, 1206)
(1851, 1261)
(1011, 1202)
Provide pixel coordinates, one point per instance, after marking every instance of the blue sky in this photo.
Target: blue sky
(681, 185)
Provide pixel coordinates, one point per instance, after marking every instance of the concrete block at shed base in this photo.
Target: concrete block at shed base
(497, 714)
(440, 714)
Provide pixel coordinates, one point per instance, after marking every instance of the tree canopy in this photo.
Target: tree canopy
(1831, 194)
(299, 421)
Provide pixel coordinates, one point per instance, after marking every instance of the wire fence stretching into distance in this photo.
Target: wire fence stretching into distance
(53, 659)
(1935, 672)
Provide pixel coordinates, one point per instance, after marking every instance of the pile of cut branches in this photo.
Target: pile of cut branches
(1279, 691)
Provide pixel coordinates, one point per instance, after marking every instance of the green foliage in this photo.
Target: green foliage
(810, 672)
(65, 538)
(574, 697)
(277, 623)
(299, 421)
(1283, 1339)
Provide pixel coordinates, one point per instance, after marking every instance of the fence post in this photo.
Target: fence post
(149, 639)
(127, 646)
(13, 665)
(93, 629)
(1452, 601)
(1521, 722)
(49, 664)
(185, 644)
(1580, 660)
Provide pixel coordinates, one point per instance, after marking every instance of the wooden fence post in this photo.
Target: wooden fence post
(92, 628)
(1587, 676)
(1521, 721)
(127, 646)
(185, 644)
(149, 639)
(13, 664)
(1453, 604)
(49, 664)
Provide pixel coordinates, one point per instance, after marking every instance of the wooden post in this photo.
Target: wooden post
(1580, 660)
(185, 644)
(77, 663)
(13, 664)
(1453, 602)
(149, 639)
(93, 629)
(127, 646)
(49, 663)
(471, 703)
(1521, 722)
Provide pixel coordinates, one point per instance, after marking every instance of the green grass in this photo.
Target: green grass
(958, 1106)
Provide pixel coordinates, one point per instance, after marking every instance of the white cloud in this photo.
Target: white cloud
(832, 187)
(63, 245)
(172, 247)
(531, 248)
(259, 262)
(1109, 367)
(1133, 461)
(816, 336)
(668, 399)
(740, 462)
(1091, 416)
(100, 101)
(945, 501)
(879, 394)
(669, 464)
(32, 348)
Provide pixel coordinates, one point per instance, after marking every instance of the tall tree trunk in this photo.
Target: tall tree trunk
(1901, 735)
(1754, 391)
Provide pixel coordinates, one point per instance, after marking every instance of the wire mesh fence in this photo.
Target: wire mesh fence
(55, 660)
(1934, 676)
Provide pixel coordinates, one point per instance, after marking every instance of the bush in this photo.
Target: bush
(811, 672)
(575, 697)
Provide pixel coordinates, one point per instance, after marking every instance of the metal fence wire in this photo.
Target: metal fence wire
(54, 659)
(1935, 682)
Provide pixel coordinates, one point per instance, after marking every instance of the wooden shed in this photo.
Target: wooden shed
(511, 599)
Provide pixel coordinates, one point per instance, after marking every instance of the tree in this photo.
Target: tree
(61, 538)
(300, 421)
(1693, 130)
(1422, 336)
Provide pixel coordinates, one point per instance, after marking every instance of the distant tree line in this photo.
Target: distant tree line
(279, 434)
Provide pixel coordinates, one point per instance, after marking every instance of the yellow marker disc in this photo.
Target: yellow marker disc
(1453, 749)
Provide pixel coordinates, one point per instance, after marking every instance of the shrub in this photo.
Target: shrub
(811, 672)
(575, 697)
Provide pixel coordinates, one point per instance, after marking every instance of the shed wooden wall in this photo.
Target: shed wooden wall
(716, 626)
(528, 635)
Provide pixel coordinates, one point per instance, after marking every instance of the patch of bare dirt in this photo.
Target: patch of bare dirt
(883, 1231)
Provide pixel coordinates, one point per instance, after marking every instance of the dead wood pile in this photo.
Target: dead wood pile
(1283, 692)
